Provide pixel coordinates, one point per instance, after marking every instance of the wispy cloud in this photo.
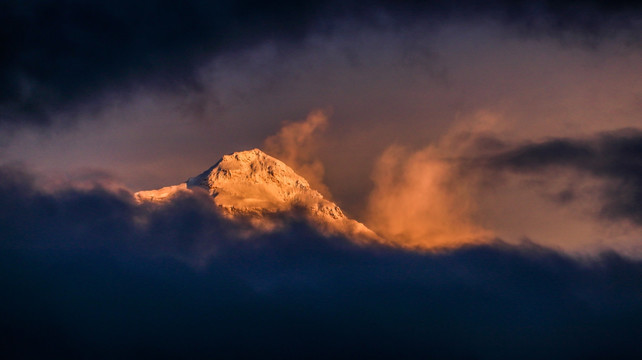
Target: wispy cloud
(296, 145)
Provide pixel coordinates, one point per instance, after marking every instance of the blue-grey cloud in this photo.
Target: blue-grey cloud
(613, 157)
(89, 273)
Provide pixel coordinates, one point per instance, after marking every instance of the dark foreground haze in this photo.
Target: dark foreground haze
(89, 273)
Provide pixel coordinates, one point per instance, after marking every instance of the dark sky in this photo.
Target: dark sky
(435, 123)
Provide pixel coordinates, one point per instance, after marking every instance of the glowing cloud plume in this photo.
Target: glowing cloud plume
(417, 202)
(294, 145)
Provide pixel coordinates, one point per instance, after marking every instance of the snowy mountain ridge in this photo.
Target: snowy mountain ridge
(253, 185)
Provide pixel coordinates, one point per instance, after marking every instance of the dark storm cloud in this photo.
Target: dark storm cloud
(55, 54)
(97, 219)
(87, 273)
(615, 157)
(57, 51)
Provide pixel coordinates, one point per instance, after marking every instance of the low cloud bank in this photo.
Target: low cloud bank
(89, 273)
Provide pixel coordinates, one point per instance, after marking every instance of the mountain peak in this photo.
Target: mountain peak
(248, 155)
(253, 184)
(251, 179)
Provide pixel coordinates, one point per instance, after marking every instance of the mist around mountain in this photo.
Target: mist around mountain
(93, 272)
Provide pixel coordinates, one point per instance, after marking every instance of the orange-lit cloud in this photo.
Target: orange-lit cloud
(418, 202)
(431, 199)
(295, 145)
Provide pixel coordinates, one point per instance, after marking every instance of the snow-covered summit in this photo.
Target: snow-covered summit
(252, 179)
(252, 184)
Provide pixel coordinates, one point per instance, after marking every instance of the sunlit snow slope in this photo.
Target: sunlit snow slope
(253, 185)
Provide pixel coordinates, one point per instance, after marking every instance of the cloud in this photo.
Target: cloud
(386, 85)
(58, 54)
(575, 194)
(295, 145)
(90, 273)
(157, 93)
(609, 156)
(418, 201)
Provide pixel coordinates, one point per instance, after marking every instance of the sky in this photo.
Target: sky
(494, 147)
